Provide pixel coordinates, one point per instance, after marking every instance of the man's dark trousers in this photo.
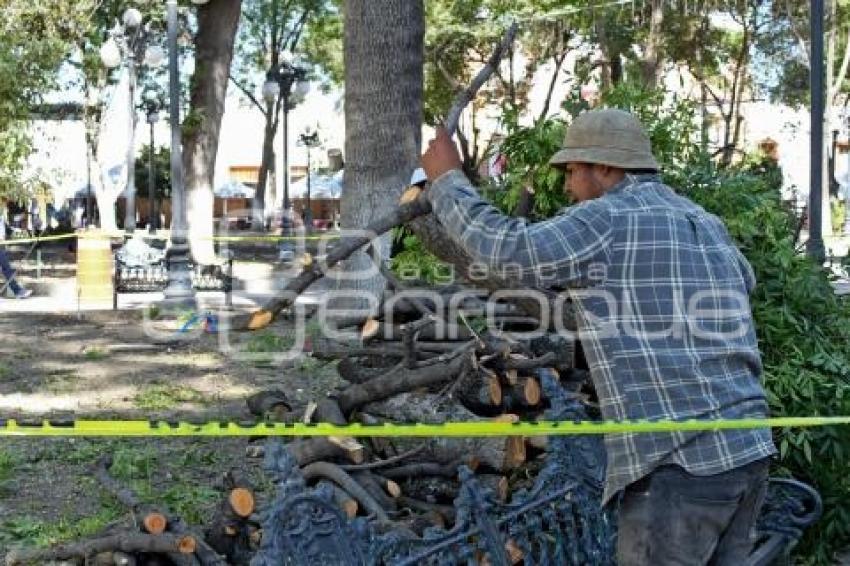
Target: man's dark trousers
(673, 517)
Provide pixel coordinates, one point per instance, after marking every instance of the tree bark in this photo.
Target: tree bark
(497, 453)
(217, 24)
(383, 53)
(267, 165)
(651, 60)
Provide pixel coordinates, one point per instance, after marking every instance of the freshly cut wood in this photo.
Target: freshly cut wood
(392, 487)
(309, 411)
(154, 523)
(354, 451)
(373, 487)
(152, 519)
(398, 381)
(328, 471)
(241, 500)
(515, 454)
(410, 195)
(255, 321)
(498, 453)
(310, 450)
(186, 544)
(345, 502)
(515, 553)
(203, 554)
(525, 394)
(241, 493)
(124, 542)
(481, 392)
(370, 329)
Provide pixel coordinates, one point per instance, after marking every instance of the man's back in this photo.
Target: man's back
(668, 333)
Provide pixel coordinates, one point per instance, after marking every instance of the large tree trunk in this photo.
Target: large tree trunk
(651, 60)
(266, 166)
(217, 23)
(383, 121)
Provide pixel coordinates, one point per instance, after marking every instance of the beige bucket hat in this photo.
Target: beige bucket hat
(608, 137)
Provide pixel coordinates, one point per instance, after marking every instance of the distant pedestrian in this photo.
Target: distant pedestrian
(9, 274)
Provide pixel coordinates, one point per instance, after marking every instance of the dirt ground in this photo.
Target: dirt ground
(104, 365)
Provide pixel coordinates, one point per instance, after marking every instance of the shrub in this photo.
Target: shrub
(804, 337)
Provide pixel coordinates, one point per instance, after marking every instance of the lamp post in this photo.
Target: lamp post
(128, 41)
(179, 288)
(309, 139)
(815, 245)
(280, 81)
(845, 181)
(152, 118)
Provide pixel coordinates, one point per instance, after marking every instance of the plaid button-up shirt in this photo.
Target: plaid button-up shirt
(661, 296)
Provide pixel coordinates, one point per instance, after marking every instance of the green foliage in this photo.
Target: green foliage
(669, 122)
(165, 396)
(838, 211)
(802, 326)
(162, 172)
(34, 38)
(29, 531)
(94, 354)
(803, 336)
(192, 502)
(528, 150)
(265, 345)
(268, 342)
(8, 463)
(322, 43)
(415, 263)
(132, 463)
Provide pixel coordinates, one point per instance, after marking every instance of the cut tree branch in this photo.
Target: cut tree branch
(124, 542)
(420, 206)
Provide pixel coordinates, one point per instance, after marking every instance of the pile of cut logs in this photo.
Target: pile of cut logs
(412, 365)
(159, 537)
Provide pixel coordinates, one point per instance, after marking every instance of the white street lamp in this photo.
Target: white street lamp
(110, 54)
(271, 90)
(132, 18)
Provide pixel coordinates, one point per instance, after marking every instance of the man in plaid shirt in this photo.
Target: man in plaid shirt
(661, 296)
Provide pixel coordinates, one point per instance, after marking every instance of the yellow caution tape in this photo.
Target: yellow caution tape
(452, 429)
(269, 238)
(14, 241)
(106, 236)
